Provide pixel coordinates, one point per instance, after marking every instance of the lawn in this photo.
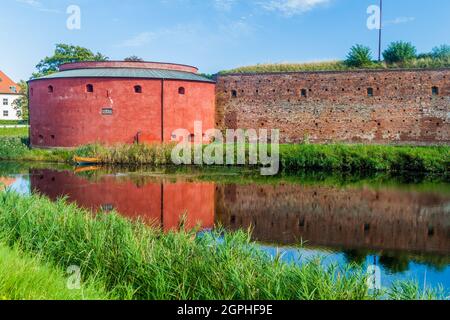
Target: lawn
(14, 132)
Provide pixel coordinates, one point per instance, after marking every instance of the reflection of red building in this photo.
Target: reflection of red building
(5, 182)
(158, 202)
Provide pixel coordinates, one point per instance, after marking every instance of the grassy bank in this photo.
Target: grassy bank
(134, 261)
(27, 278)
(14, 132)
(335, 157)
(419, 63)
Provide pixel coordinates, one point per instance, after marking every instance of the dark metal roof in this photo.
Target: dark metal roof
(127, 73)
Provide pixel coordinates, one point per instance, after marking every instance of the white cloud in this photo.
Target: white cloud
(399, 20)
(38, 6)
(224, 5)
(172, 34)
(292, 7)
(138, 40)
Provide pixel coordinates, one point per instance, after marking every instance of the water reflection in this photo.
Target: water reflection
(153, 200)
(339, 217)
(404, 230)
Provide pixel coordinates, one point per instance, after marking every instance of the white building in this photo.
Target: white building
(9, 92)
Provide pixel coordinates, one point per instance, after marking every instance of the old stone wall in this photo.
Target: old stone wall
(373, 106)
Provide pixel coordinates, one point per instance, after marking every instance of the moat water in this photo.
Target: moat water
(399, 224)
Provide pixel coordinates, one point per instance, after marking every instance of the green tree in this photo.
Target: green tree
(65, 53)
(134, 59)
(399, 52)
(441, 52)
(21, 104)
(359, 56)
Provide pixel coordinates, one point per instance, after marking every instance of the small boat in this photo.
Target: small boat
(83, 169)
(86, 161)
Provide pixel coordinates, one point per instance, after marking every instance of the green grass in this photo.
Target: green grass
(333, 157)
(27, 278)
(134, 261)
(13, 122)
(14, 132)
(420, 63)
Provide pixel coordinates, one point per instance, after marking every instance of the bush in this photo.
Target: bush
(399, 52)
(441, 52)
(359, 56)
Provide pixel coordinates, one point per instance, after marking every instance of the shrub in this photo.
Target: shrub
(359, 56)
(399, 52)
(441, 52)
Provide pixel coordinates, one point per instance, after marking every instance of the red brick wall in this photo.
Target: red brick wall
(337, 106)
(70, 116)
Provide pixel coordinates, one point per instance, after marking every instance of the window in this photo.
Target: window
(435, 91)
(50, 89)
(13, 89)
(5, 113)
(89, 88)
(304, 93)
(5, 102)
(234, 94)
(137, 89)
(370, 92)
(181, 91)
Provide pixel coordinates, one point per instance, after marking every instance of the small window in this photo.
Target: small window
(304, 93)
(234, 94)
(435, 91)
(137, 89)
(181, 90)
(13, 89)
(90, 88)
(5, 113)
(50, 89)
(5, 102)
(370, 92)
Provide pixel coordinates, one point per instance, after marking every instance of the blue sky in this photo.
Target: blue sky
(212, 34)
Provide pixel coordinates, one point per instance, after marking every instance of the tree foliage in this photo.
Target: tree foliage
(21, 104)
(441, 52)
(134, 59)
(399, 52)
(65, 53)
(359, 56)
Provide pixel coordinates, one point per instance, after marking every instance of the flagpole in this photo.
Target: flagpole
(380, 31)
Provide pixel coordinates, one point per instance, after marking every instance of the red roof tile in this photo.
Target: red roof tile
(6, 83)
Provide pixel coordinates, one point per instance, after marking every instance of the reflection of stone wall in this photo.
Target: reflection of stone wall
(336, 106)
(155, 202)
(332, 217)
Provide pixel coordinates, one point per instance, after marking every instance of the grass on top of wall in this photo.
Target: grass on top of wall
(23, 277)
(420, 63)
(135, 261)
(296, 157)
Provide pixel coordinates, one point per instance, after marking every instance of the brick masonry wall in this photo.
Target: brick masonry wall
(337, 106)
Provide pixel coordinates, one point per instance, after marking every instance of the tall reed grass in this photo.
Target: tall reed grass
(27, 278)
(331, 157)
(134, 261)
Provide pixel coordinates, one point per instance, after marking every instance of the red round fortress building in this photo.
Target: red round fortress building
(118, 102)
